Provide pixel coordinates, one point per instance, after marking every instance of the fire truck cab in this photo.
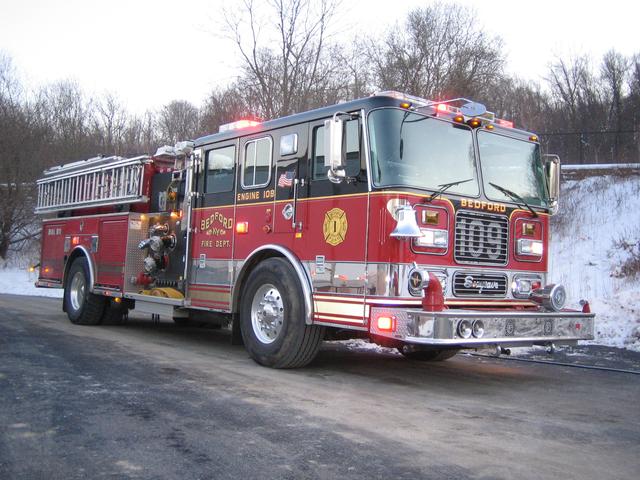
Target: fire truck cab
(421, 225)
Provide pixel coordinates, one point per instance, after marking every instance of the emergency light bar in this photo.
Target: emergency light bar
(237, 125)
(444, 106)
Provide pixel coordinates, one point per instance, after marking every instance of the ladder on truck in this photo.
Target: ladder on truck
(92, 183)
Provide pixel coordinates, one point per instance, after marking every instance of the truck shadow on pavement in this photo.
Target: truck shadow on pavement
(342, 359)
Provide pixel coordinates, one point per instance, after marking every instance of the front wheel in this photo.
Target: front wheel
(272, 318)
(82, 306)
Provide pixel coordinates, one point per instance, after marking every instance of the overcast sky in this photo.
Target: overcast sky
(149, 52)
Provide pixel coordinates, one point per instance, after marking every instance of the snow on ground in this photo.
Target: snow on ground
(19, 281)
(595, 233)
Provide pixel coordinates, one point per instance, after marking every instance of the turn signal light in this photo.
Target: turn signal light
(387, 324)
(242, 227)
(528, 229)
(458, 119)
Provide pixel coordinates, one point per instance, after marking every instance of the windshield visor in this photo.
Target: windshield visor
(409, 149)
(512, 164)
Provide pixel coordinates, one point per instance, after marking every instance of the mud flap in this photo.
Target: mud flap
(236, 335)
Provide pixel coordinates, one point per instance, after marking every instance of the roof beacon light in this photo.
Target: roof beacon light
(504, 123)
(237, 125)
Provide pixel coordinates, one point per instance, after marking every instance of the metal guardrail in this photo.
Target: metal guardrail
(570, 172)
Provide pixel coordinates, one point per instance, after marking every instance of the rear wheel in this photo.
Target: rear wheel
(272, 318)
(431, 355)
(82, 306)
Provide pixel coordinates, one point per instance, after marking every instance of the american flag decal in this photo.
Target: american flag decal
(286, 179)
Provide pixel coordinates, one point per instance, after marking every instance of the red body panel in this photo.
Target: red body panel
(108, 260)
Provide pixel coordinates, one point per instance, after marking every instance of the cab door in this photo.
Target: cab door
(336, 229)
(213, 221)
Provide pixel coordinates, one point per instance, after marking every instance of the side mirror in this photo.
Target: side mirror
(552, 170)
(334, 148)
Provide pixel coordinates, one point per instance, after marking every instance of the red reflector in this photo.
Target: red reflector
(387, 324)
(578, 326)
(535, 285)
(242, 227)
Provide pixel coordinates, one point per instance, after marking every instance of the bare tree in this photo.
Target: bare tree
(224, 105)
(177, 120)
(285, 69)
(23, 141)
(613, 72)
(70, 115)
(140, 135)
(110, 124)
(439, 52)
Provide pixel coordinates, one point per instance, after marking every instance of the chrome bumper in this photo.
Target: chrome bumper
(500, 328)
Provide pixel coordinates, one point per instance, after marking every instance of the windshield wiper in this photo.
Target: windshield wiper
(444, 187)
(514, 196)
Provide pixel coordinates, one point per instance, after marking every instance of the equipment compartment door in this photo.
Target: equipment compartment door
(112, 246)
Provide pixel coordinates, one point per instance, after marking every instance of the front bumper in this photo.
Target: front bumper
(504, 328)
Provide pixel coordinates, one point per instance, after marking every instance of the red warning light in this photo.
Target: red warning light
(387, 323)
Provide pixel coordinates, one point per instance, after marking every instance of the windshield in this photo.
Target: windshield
(409, 149)
(513, 165)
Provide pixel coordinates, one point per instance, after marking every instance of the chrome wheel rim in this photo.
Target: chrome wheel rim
(76, 291)
(267, 313)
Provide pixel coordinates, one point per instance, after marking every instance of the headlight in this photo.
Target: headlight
(478, 328)
(522, 286)
(464, 329)
(530, 247)
(433, 238)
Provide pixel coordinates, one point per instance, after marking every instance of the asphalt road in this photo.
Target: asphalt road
(147, 400)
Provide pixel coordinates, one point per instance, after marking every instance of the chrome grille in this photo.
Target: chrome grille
(481, 238)
(479, 284)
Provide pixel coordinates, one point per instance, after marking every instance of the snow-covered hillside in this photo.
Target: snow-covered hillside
(595, 237)
(595, 240)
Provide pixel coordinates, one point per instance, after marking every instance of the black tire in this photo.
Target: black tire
(294, 344)
(82, 306)
(431, 355)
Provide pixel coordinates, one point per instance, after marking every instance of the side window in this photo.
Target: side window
(352, 151)
(221, 165)
(256, 164)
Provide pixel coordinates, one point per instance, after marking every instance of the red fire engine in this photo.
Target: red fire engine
(421, 225)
